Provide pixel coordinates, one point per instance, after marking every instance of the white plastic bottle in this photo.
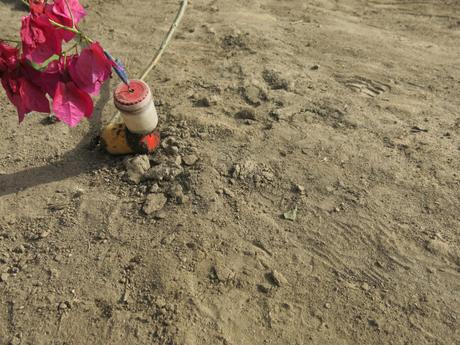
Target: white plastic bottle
(136, 106)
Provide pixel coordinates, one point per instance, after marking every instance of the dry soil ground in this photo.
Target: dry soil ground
(344, 111)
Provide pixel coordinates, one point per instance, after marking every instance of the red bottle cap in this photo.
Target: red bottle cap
(135, 93)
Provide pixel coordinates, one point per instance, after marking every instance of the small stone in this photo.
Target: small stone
(154, 202)
(365, 286)
(78, 192)
(177, 194)
(4, 277)
(277, 278)
(136, 167)
(228, 193)
(275, 80)
(174, 150)
(291, 215)
(202, 102)
(327, 305)
(160, 215)
(300, 189)
(223, 273)
(314, 67)
(163, 173)
(438, 247)
(20, 249)
(45, 234)
(373, 323)
(246, 114)
(15, 341)
(64, 305)
(190, 159)
(263, 288)
(178, 160)
(253, 95)
(275, 114)
(155, 188)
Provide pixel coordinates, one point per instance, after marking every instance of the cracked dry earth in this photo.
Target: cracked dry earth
(306, 191)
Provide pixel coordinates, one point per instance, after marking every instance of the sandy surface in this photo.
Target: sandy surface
(345, 111)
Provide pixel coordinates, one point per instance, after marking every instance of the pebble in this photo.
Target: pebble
(20, 249)
(300, 189)
(373, 323)
(155, 188)
(202, 102)
(252, 94)
(163, 172)
(4, 277)
(160, 215)
(177, 193)
(223, 273)
(275, 80)
(438, 247)
(291, 215)
(228, 193)
(365, 286)
(263, 288)
(190, 159)
(154, 202)
(178, 160)
(136, 167)
(45, 234)
(15, 341)
(327, 305)
(314, 67)
(277, 278)
(246, 114)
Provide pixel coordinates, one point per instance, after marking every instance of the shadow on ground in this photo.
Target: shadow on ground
(78, 161)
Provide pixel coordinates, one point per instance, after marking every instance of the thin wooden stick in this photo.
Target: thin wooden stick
(166, 40)
(161, 50)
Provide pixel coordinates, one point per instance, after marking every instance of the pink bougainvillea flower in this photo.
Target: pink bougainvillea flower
(37, 6)
(71, 104)
(91, 69)
(47, 80)
(25, 96)
(39, 39)
(8, 58)
(59, 12)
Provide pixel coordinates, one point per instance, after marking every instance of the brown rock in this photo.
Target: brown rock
(190, 159)
(136, 167)
(155, 202)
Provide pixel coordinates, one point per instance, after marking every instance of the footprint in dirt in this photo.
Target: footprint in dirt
(367, 87)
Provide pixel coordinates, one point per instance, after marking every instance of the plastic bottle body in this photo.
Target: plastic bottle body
(136, 106)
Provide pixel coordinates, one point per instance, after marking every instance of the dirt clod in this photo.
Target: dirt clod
(154, 202)
(277, 278)
(190, 159)
(247, 114)
(136, 167)
(275, 80)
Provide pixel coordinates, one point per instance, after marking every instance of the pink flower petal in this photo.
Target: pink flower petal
(59, 12)
(91, 69)
(39, 39)
(37, 6)
(71, 104)
(25, 96)
(8, 57)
